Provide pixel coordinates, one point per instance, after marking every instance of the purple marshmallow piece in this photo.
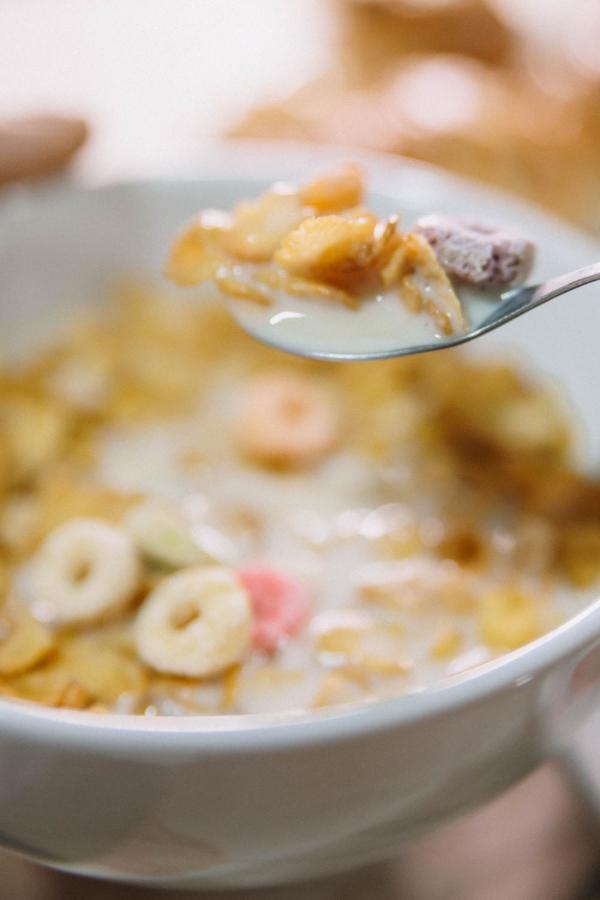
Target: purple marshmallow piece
(478, 252)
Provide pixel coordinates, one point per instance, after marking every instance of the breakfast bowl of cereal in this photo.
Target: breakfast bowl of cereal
(264, 618)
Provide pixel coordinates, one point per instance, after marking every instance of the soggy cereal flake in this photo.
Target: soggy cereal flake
(579, 554)
(24, 643)
(446, 644)
(370, 647)
(62, 498)
(74, 696)
(531, 424)
(340, 688)
(425, 287)
(102, 671)
(334, 191)
(269, 688)
(199, 251)
(82, 383)
(508, 618)
(415, 583)
(259, 226)
(20, 523)
(36, 429)
(336, 250)
(277, 279)
(240, 285)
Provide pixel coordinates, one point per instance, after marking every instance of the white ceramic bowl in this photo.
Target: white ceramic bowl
(239, 801)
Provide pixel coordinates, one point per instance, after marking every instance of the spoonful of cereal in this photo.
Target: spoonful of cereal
(311, 271)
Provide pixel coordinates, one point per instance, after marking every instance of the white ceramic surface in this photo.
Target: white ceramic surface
(258, 800)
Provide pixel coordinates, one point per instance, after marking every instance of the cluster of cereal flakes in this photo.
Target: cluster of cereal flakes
(456, 428)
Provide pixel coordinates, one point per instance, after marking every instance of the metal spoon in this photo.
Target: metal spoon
(510, 305)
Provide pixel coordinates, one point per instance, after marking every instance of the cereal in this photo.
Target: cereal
(446, 644)
(508, 618)
(74, 696)
(478, 252)
(23, 642)
(259, 226)
(196, 623)
(366, 645)
(286, 420)
(417, 518)
(85, 571)
(198, 252)
(315, 242)
(85, 669)
(280, 605)
(339, 688)
(425, 285)
(62, 498)
(334, 192)
(335, 249)
(579, 554)
(162, 535)
(36, 430)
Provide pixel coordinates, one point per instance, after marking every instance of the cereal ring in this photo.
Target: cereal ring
(478, 252)
(280, 605)
(85, 571)
(286, 419)
(195, 623)
(162, 535)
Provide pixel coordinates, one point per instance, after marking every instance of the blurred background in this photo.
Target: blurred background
(506, 91)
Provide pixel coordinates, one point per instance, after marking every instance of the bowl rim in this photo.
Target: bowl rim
(243, 732)
(246, 732)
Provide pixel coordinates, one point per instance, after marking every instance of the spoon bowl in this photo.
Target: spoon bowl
(307, 328)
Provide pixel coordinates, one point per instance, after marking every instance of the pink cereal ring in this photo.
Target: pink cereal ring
(280, 604)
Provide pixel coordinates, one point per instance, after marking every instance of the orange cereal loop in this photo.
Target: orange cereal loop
(286, 419)
(335, 191)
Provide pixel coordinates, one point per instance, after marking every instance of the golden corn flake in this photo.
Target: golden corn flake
(24, 642)
(334, 191)
(446, 644)
(509, 618)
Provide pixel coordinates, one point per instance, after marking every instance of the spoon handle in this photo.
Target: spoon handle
(562, 284)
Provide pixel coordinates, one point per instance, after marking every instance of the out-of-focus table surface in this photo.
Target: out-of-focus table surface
(156, 78)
